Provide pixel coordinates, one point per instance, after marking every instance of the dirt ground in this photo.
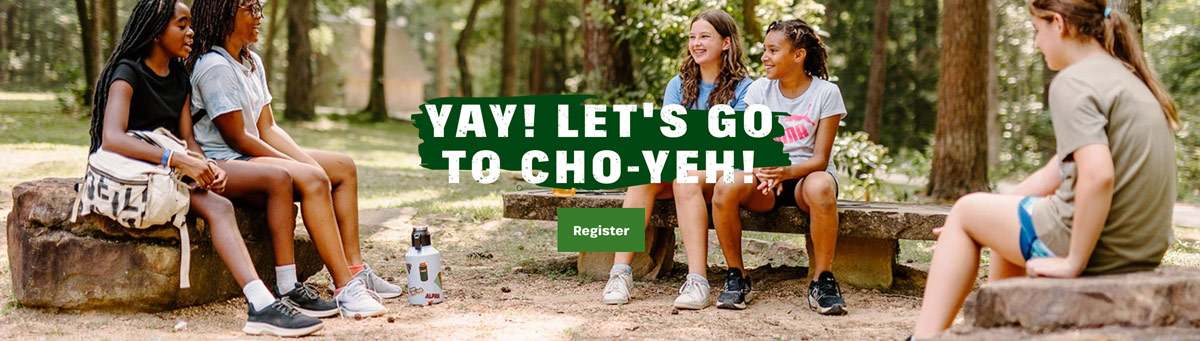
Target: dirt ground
(503, 280)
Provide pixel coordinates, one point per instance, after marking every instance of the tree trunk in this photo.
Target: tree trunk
(89, 33)
(112, 25)
(272, 29)
(1133, 9)
(875, 84)
(442, 68)
(607, 62)
(377, 105)
(464, 41)
(508, 61)
(751, 27)
(960, 148)
(301, 105)
(537, 55)
(993, 104)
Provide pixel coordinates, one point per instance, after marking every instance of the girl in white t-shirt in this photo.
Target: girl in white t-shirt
(794, 60)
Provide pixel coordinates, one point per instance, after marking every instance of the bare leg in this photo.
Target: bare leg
(249, 181)
(818, 193)
(642, 196)
(343, 176)
(316, 206)
(691, 208)
(727, 200)
(977, 220)
(218, 212)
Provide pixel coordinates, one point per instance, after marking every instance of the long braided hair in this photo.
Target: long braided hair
(148, 20)
(803, 36)
(1086, 19)
(213, 21)
(733, 68)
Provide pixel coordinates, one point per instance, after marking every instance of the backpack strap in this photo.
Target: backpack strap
(185, 257)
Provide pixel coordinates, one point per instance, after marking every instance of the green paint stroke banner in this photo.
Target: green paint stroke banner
(601, 230)
(559, 141)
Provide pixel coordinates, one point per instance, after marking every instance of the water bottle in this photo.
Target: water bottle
(424, 265)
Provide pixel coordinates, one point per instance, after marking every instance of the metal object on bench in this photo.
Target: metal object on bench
(866, 250)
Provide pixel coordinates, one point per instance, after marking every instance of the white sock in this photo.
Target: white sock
(285, 278)
(621, 268)
(259, 296)
(697, 277)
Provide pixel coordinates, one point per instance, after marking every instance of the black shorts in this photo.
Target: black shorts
(787, 197)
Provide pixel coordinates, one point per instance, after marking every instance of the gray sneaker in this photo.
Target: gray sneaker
(356, 301)
(380, 286)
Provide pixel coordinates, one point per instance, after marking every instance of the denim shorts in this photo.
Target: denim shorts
(1031, 246)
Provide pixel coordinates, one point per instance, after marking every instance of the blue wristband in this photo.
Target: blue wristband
(165, 157)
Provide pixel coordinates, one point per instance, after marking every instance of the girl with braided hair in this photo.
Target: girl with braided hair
(1103, 204)
(236, 126)
(795, 82)
(145, 86)
(712, 72)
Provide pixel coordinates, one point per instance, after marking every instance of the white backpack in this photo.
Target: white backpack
(139, 194)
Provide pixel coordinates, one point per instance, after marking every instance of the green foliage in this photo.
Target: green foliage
(1171, 39)
(860, 163)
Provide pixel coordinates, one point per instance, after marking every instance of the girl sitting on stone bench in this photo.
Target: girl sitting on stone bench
(1104, 203)
(144, 86)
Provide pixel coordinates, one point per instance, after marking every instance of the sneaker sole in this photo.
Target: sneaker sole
(615, 301)
(361, 314)
(690, 306)
(259, 328)
(834, 310)
(389, 295)
(317, 313)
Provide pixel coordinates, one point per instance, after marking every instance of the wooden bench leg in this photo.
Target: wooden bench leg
(865, 262)
(655, 263)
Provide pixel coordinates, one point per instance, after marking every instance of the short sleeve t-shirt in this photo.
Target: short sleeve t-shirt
(674, 94)
(1099, 101)
(157, 101)
(822, 100)
(222, 86)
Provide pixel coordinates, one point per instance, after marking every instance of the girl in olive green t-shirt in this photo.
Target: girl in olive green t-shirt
(1103, 204)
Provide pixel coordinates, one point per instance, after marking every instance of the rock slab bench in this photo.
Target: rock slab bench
(96, 264)
(1165, 298)
(868, 232)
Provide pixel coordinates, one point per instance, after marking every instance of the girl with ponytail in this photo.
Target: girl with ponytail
(144, 86)
(1103, 204)
(712, 73)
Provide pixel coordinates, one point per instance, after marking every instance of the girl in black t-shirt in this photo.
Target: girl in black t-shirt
(143, 87)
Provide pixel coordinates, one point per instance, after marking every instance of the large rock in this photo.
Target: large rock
(1168, 297)
(95, 263)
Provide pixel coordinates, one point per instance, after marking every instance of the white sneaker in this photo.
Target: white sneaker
(356, 301)
(617, 289)
(693, 294)
(377, 284)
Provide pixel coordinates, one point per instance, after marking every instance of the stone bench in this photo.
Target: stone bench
(1167, 297)
(868, 232)
(95, 263)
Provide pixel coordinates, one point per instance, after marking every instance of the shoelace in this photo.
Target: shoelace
(365, 290)
(612, 284)
(824, 287)
(691, 283)
(285, 306)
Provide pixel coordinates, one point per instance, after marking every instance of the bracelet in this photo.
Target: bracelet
(166, 157)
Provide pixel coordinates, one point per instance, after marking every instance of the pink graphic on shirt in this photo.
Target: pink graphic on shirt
(799, 131)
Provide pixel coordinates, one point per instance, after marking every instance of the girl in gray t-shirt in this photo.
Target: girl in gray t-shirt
(1103, 204)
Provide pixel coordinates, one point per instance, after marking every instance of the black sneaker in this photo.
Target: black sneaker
(305, 299)
(736, 292)
(825, 296)
(280, 320)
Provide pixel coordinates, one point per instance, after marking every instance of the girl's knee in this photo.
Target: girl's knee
(820, 191)
(310, 182)
(211, 206)
(730, 194)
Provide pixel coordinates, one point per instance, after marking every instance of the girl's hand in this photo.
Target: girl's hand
(1056, 267)
(937, 231)
(218, 184)
(194, 168)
